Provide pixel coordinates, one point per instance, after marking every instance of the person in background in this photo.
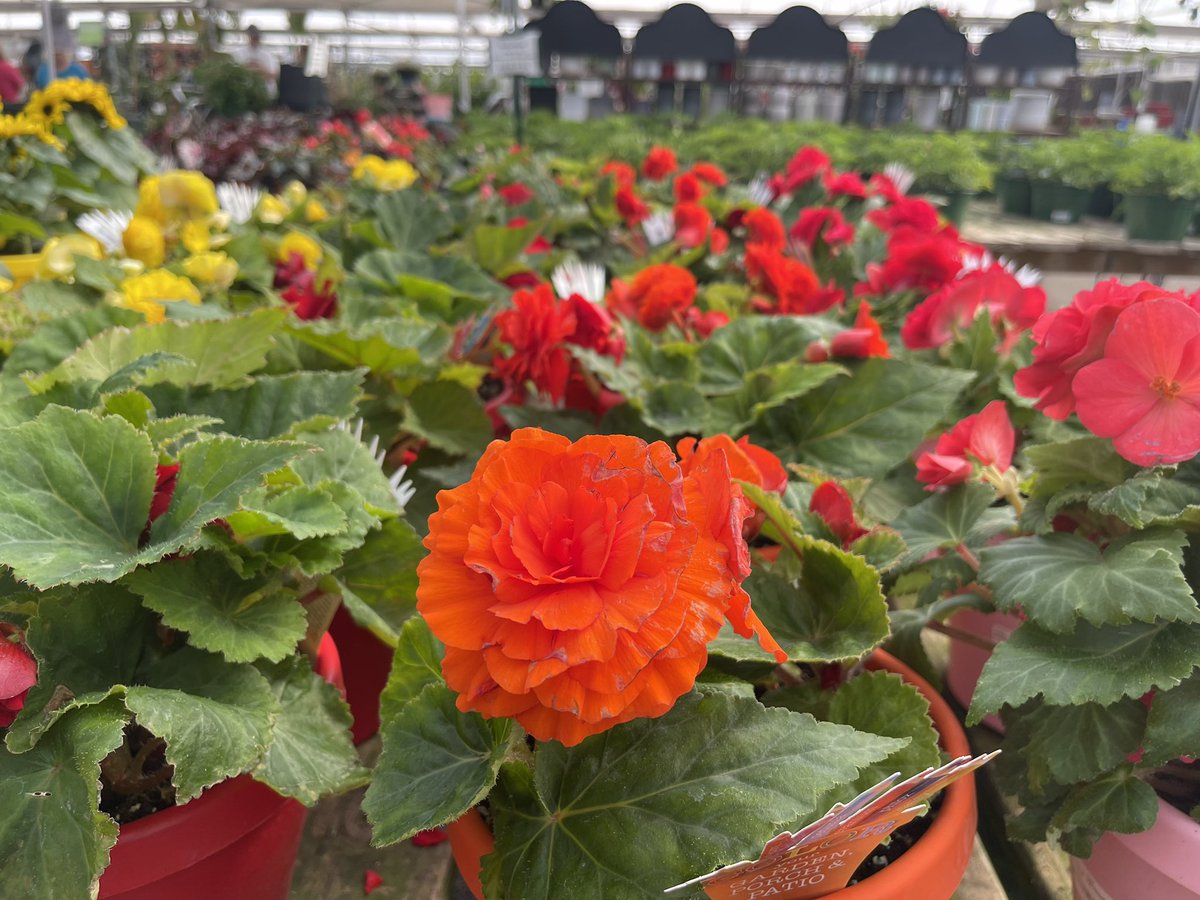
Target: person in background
(67, 66)
(12, 84)
(258, 59)
(31, 60)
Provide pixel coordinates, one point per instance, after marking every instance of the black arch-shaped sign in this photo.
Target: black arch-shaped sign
(571, 28)
(1030, 41)
(921, 38)
(685, 31)
(799, 33)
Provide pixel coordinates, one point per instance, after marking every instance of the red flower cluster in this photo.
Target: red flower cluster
(693, 223)
(516, 194)
(578, 585)
(764, 229)
(808, 164)
(1012, 306)
(864, 339)
(631, 207)
(657, 296)
(18, 673)
(538, 329)
(659, 163)
(916, 261)
(622, 173)
(786, 286)
(710, 174)
(986, 438)
(833, 505)
(297, 286)
(845, 184)
(822, 223)
(907, 212)
(688, 188)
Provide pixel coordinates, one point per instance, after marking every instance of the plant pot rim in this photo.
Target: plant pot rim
(222, 815)
(931, 869)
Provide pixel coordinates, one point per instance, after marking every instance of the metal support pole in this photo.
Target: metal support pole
(464, 76)
(48, 41)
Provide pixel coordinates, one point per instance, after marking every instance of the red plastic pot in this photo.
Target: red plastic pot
(929, 870)
(967, 660)
(236, 841)
(1159, 863)
(366, 663)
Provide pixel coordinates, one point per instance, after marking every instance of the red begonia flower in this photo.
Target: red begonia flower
(845, 184)
(516, 194)
(906, 212)
(688, 188)
(987, 437)
(622, 173)
(764, 229)
(831, 502)
(822, 223)
(710, 174)
(18, 673)
(630, 206)
(692, 224)
(950, 310)
(655, 297)
(659, 163)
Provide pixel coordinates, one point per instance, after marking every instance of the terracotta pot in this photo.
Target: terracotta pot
(1159, 863)
(366, 663)
(237, 841)
(22, 266)
(931, 869)
(967, 660)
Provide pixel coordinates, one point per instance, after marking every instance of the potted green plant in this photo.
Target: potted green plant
(1063, 173)
(175, 530)
(949, 166)
(1160, 183)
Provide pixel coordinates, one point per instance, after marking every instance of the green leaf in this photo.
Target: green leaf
(346, 461)
(864, 425)
(1173, 727)
(412, 220)
(312, 754)
(1089, 463)
(876, 703)
(882, 548)
(417, 662)
(302, 511)
(241, 620)
(164, 433)
(707, 784)
(15, 225)
(385, 346)
(749, 346)
(270, 406)
(86, 641)
(1101, 738)
(76, 497)
(496, 247)
(436, 764)
(216, 717)
(1098, 664)
(1059, 578)
(449, 416)
(962, 515)
(1118, 802)
(54, 841)
(447, 286)
(379, 579)
(91, 142)
(218, 353)
(764, 390)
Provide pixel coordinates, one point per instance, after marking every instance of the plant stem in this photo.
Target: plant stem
(958, 635)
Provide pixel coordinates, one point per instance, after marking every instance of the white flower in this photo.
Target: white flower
(659, 228)
(901, 176)
(239, 201)
(105, 225)
(575, 277)
(402, 490)
(760, 190)
(1026, 276)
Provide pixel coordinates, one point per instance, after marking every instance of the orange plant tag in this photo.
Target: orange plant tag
(820, 858)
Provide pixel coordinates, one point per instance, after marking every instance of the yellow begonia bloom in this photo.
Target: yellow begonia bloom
(315, 212)
(143, 240)
(294, 193)
(384, 174)
(212, 269)
(306, 247)
(195, 236)
(149, 293)
(271, 210)
(149, 203)
(57, 259)
(174, 198)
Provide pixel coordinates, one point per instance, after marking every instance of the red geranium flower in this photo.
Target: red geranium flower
(536, 329)
(692, 224)
(659, 163)
(987, 437)
(822, 223)
(18, 673)
(952, 309)
(1144, 393)
(845, 184)
(864, 340)
(831, 502)
(657, 295)
(710, 174)
(516, 194)
(577, 585)
(915, 261)
(1070, 338)
(764, 229)
(630, 206)
(688, 188)
(906, 212)
(790, 287)
(808, 163)
(622, 173)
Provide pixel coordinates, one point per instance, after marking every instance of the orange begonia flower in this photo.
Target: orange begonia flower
(577, 585)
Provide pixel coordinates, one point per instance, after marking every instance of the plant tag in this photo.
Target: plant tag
(820, 858)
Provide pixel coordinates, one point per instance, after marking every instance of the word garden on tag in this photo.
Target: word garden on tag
(820, 858)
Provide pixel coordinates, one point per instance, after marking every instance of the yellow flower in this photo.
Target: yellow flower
(211, 269)
(143, 240)
(57, 259)
(294, 193)
(271, 210)
(6, 284)
(195, 236)
(294, 243)
(384, 175)
(314, 211)
(189, 194)
(148, 293)
(149, 203)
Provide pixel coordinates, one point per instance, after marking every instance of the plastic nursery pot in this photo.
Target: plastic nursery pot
(22, 266)
(967, 660)
(1102, 203)
(366, 662)
(1052, 201)
(930, 870)
(1012, 193)
(236, 841)
(1155, 218)
(955, 206)
(1159, 863)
